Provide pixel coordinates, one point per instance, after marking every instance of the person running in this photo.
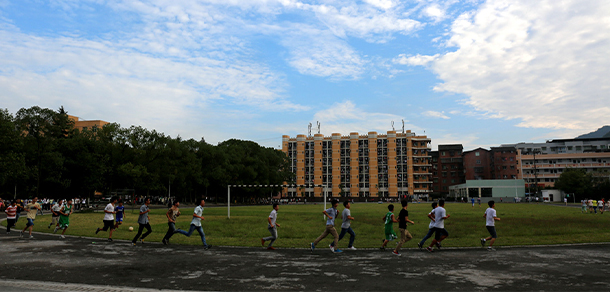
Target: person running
(600, 206)
(440, 233)
(272, 227)
(55, 213)
(479, 200)
(389, 221)
(108, 218)
(64, 218)
(331, 213)
(472, 201)
(346, 215)
(120, 214)
(144, 222)
(32, 209)
(490, 223)
(196, 224)
(172, 214)
(594, 205)
(403, 218)
(430, 227)
(11, 214)
(583, 206)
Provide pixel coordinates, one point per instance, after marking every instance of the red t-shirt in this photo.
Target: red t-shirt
(11, 212)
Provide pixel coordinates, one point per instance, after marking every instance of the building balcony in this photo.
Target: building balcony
(565, 165)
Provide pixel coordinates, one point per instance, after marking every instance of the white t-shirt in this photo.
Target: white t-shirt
(110, 208)
(346, 221)
(490, 214)
(196, 220)
(439, 213)
(431, 225)
(273, 216)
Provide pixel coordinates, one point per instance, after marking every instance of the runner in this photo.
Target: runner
(403, 218)
(120, 214)
(172, 214)
(272, 227)
(389, 227)
(55, 213)
(430, 227)
(143, 221)
(479, 200)
(346, 215)
(594, 205)
(440, 233)
(64, 218)
(11, 214)
(331, 213)
(472, 201)
(490, 222)
(196, 225)
(108, 218)
(583, 207)
(600, 205)
(32, 209)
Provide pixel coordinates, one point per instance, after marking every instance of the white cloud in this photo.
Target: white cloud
(345, 117)
(435, 114)
(542, 62)
(417, 60)
(435, 12)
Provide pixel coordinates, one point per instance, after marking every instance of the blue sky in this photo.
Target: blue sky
(480, 73)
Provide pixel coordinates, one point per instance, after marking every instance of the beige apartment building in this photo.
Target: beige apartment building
(91, 125)
(542, 163)
(392, 165)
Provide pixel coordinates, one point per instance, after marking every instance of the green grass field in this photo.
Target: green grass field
(521, 224)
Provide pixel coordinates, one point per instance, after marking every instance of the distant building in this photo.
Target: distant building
(83, 125)
(541, 164)
(360, 166)
(477, 164)
(504, 164)
(447, 168)
(489, 189)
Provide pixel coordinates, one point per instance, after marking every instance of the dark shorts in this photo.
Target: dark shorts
(30, 222)
(108, 224)
(440, 232)
(492, 231)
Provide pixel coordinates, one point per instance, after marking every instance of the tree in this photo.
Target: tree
(12, 159)
(575, 181)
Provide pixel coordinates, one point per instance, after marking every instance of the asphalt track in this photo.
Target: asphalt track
(47, 263)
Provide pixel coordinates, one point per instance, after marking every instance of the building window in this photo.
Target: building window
(478, 161)
(477, 153)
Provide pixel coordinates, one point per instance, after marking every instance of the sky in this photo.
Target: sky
(479, 73)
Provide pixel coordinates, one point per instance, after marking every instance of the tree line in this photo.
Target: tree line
(583, 184)
(42, 154)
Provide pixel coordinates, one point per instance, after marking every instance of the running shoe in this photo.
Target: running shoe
(262, 242)
(438, 245)
(337, 251)
(55, 230)
(21, 234)
(332, 248)
(429, 249)
(351, 248)
(133, 243)
(271, 248)
(312, 247)
(396, 253)
(63, 237)
(382, 248)
(109, 239)
(49, 227)
(31, 236)
(164, 241)
(489, 248)
(482, 241)
(207, 246)
(141, 240)
(97, 231)
(420, 246)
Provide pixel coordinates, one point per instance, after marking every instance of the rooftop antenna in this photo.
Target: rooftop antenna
(393, 126)
(318, 127)
(309, 129)
(403, 126)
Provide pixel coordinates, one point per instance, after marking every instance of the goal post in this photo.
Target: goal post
(267, 186)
